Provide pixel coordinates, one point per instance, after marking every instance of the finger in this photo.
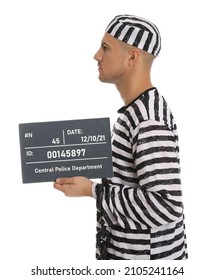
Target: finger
(58, 186)
(65, 188)
(62, 181)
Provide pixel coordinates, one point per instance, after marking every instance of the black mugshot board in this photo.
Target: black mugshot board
(56, 149)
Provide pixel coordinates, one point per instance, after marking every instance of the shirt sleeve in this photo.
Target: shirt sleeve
(94, 193)
(157, 200)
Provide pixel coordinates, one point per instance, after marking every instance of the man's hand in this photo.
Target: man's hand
(74, 186)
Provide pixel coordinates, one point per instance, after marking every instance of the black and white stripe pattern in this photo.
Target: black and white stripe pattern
(136, 31)
(141, 206)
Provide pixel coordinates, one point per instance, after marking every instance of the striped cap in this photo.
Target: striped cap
(136, 31)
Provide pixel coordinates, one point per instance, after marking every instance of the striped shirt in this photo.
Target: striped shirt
(140, 210)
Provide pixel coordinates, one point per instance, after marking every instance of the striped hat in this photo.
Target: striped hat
(136, 31)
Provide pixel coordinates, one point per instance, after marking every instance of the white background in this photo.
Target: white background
(47, 73)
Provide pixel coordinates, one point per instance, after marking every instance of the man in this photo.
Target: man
(139, 210)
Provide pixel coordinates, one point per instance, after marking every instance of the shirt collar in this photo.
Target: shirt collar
(123, 109)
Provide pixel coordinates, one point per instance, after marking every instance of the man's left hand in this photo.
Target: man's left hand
(74, 186)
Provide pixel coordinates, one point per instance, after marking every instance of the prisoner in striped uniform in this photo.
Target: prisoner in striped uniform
(140, 214)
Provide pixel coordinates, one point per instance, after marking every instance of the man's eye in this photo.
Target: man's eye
(104, 47)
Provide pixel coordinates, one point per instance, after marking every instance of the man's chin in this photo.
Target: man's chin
(103, 80)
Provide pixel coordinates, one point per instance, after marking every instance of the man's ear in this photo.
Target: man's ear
(133, 55)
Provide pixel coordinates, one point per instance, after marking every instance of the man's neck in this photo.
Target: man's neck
(130, 93)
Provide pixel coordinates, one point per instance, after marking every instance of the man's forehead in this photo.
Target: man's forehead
(109, 39)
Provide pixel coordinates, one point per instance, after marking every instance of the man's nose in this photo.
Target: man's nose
(97, 56)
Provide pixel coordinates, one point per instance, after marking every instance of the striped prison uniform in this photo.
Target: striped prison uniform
(140, 210)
